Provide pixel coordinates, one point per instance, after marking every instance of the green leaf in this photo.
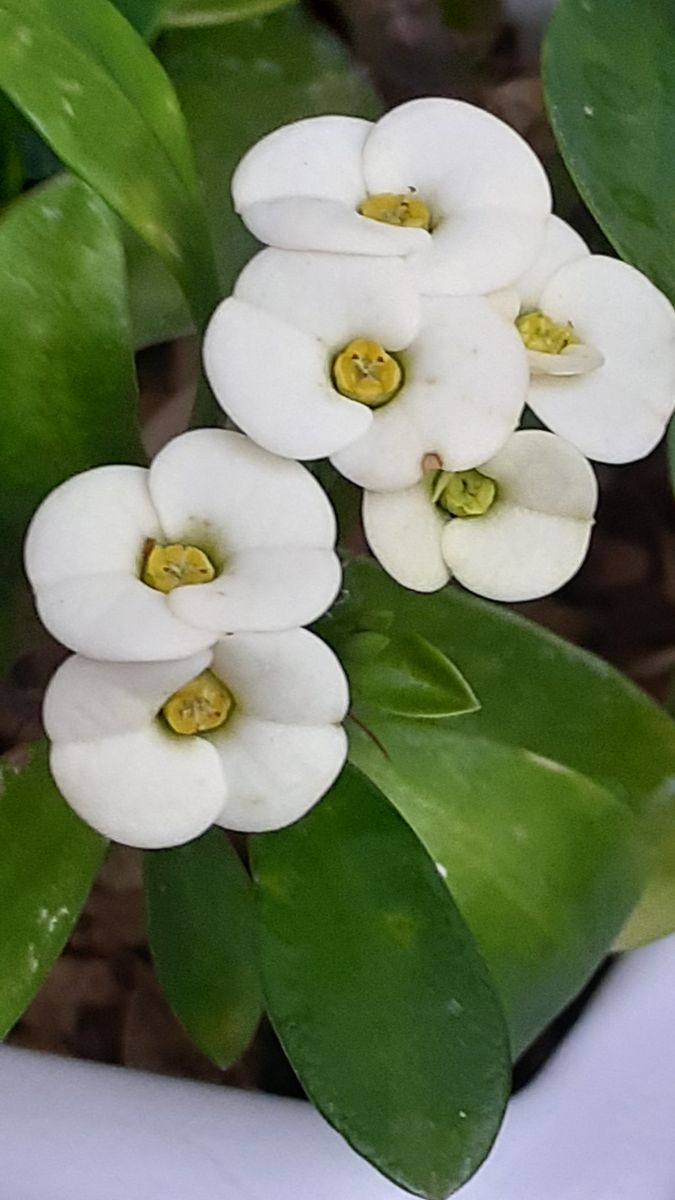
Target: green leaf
(234, 84)
(69, 392)
(48, 860)
(377, 991)
(544, 695)
(536, 691)
(609, 76)
(88, 83)
(542, 863)
(220, 12)
(202, 932)
(11, 163)
(405, 675)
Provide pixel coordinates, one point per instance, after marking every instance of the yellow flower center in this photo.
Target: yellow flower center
(169, 567)
(397, 209)
(200, 705)
(540, 333)
(364, 371)
(464, 493)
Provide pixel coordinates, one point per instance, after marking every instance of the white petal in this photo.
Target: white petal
(576, 359)
(479, 178)
(276, 773)
(313, 223)
(88, 700)
(403, 530)
(94, 523)
(216, 486)
(466, 380)
(478, 250)
(513, 553)
(318, 156)
(263, 590)
(389, 455)
(335, 299)
(292, 678)
(561, 245)
(146, 789)
(536, 535)
(618, 412)
(116, 617)
(274, 381)
(506, 302)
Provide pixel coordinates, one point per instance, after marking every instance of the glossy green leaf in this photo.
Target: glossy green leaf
(202, 932)
(11, 163)
(405, 675)
(236, 83)
(69, 392)
(544, 695)
(220, 12)
(48, 860)
(377, 991)
(88, 83)
(542, 863)
(609, 75)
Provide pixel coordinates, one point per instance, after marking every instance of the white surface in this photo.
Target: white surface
(597, 1125)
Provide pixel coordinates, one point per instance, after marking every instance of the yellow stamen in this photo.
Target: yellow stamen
(397, 209)
(202, 704)
(540, 333)
(464, 493)
(169, 567)
(364, 371)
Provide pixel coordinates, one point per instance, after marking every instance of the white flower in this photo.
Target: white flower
(217, 536)
(515, 528)
(246, 735)
(320, 354)
(439, 180)
(601, 345)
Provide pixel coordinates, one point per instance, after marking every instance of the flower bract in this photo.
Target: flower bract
(515, 528)
(246, 735)
(601, 345)
(137, 564)
(440, 181)
(319, 354)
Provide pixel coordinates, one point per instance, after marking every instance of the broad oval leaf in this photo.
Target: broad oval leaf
(219, 12)
(202, 932)
(377, 990)
(546, 696)
(234, 84)
(69, 390)
(405, 675)
(147, 16)
(542, 863)
(88, 83)
(48, 861)
(609, 76)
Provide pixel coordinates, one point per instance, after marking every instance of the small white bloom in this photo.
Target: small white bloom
(138, 564)
(246, 735)
(515, 528)
(601, 346)
(319, 354)
(438, 180)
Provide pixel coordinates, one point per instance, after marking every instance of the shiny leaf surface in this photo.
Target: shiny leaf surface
(88, 83)
(220, 12)
(541, 862)
(405, 675)
(377, 991)
(202, 932)
(609, 74)
(48, 860)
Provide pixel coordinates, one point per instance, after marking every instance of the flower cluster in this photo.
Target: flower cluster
(415, 294)
(194, 695)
